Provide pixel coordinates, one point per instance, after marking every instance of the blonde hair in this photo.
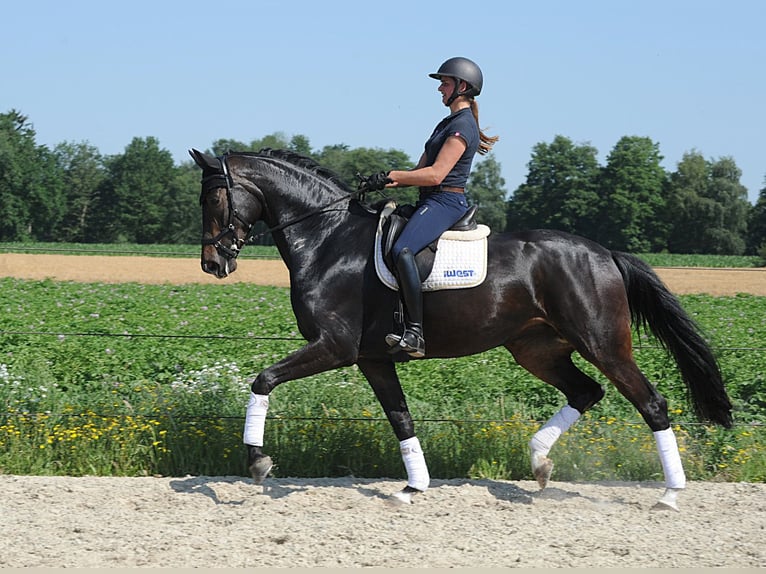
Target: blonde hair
(486, 142)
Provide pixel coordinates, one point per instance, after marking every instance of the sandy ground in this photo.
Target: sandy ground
(108, 269)
(230, 522)
(348, 522)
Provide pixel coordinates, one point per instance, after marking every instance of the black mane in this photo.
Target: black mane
(301, 161)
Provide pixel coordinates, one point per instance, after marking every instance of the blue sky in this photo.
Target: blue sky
(689, 74)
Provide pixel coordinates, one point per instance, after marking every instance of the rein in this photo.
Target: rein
(234, 249)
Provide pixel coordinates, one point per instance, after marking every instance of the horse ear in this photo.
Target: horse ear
(204, 160)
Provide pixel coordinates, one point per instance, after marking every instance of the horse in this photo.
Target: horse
(547, 294)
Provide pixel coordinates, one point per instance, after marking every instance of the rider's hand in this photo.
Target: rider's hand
(377, 181)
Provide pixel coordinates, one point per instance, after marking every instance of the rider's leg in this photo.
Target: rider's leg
(411, 341)
(435, 214)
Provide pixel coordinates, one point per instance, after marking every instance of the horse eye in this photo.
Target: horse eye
(213, 199)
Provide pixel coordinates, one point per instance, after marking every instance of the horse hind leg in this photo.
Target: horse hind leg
(654, 410)
(544, 439)
(623, 372)
(549, 359)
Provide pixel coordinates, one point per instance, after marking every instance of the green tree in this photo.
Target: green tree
(560, 189)
(333, 157)
(182, 214)
(31, 193)
(300, 144)
(756, 228)
(707, 207)
(222, 146)
(632, 201)
(47, 198)
(486, 190)
(277, 140)
(346, 163)
(17, 160)
(728, 236)
(686, 203)
(134, 201)
(82, 172)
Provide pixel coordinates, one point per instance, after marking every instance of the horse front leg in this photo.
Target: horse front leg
(317, 356)
(258, 464)
(387, 388)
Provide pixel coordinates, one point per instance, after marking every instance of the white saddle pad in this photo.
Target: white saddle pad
(460, 262)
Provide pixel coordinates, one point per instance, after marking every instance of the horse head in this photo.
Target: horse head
(229, 211)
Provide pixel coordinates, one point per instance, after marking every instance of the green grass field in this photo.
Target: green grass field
(132, 379)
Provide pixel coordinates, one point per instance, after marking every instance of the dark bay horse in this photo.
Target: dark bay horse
(546, 295)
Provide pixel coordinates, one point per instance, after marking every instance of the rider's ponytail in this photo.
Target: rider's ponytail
(486, 142)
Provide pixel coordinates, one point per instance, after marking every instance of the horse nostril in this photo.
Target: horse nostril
(210, 267)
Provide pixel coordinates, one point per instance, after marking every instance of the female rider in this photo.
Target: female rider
(441, 174)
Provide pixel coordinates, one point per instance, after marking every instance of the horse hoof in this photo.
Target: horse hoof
(401, 497)
(661, 505)
(668, 500)
(405, 495)
(260, 468)
(542, 468)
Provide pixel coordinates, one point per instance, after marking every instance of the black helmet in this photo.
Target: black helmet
(462, 69)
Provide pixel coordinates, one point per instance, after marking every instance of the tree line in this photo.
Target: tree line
(72, 193)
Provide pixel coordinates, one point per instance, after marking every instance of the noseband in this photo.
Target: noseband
(224, 180)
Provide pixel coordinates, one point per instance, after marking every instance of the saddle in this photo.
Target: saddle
(458, 259)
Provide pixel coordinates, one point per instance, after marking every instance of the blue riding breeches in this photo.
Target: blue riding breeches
(434, 214)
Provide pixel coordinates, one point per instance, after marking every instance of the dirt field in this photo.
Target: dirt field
(229, 522)
(208, 522)
(138, 269)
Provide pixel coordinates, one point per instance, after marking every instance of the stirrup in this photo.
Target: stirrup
(392, 339)
(413, 344)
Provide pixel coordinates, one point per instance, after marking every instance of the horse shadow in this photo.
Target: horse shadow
(503, 491)
(205, 486)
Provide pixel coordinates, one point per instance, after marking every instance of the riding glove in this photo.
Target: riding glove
(377, 181)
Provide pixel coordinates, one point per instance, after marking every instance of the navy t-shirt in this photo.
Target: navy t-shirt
(461, 124)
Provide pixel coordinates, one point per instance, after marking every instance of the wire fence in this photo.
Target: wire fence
(327, 419)
(259, 338)
(310, 419)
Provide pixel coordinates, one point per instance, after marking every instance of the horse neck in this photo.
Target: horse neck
(290, 191)
(294, 198)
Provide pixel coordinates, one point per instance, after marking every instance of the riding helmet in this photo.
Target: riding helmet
(462, 69)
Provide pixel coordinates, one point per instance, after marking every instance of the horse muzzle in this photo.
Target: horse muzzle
(219, 266)
(218, 259)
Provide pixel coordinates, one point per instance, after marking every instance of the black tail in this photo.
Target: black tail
(652, 305)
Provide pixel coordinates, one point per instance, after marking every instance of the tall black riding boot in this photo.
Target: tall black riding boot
(411, 341)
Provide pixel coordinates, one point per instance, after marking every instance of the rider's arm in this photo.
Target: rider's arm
(427, 176)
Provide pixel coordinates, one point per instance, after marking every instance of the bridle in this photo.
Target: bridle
(223, 179)
(215, 181)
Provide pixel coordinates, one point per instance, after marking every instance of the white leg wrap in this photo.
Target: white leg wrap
(549, 433)
(415, 463)
(670, 458)
(255, 419)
